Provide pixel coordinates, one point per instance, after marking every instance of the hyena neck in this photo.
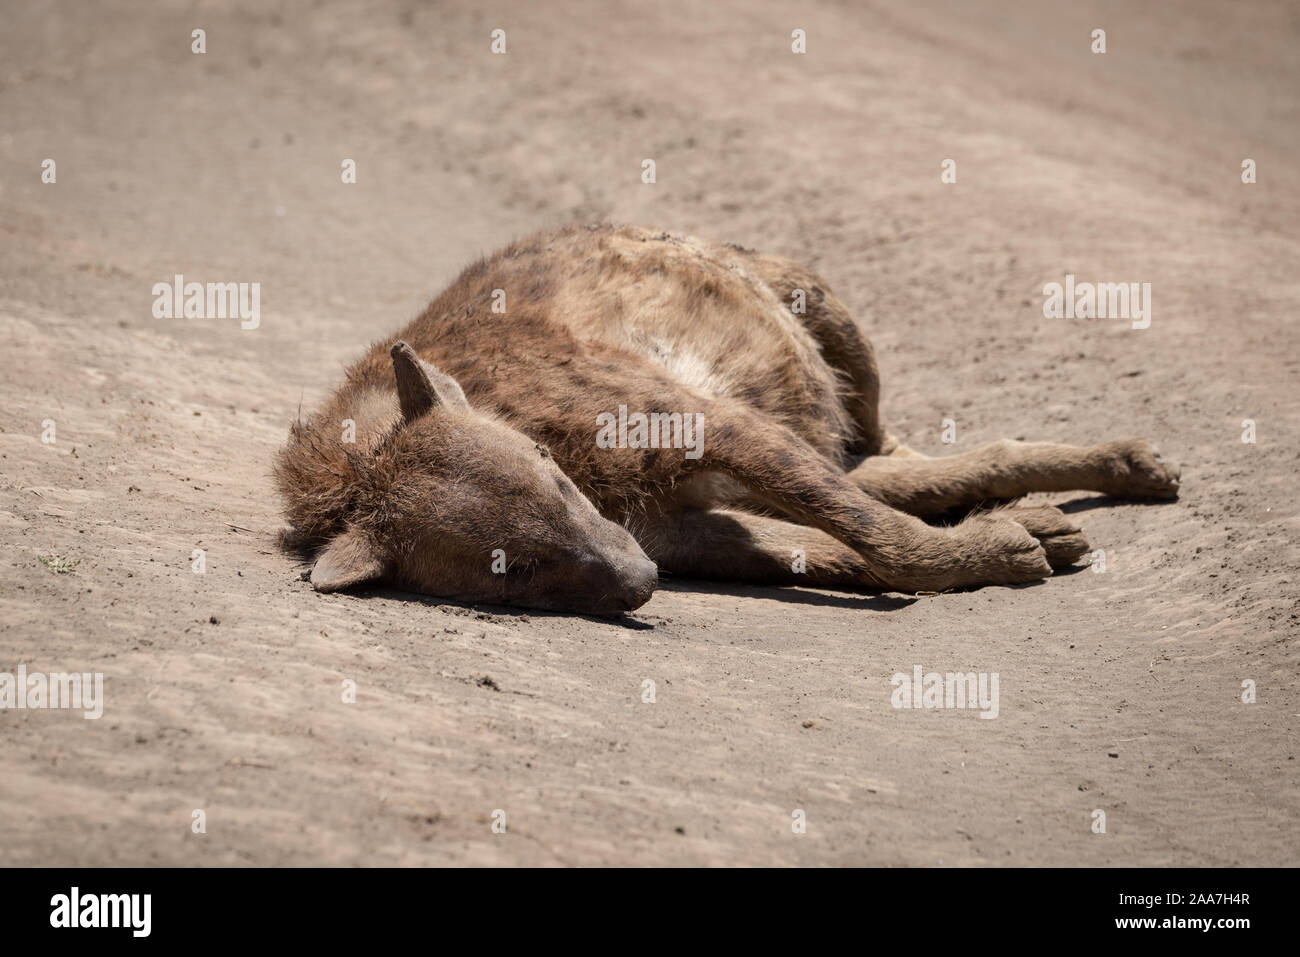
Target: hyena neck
(319, 469)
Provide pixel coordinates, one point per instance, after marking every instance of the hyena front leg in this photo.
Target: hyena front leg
(1009, 469)
(1062, 540)
(725, 545)
(900, 551)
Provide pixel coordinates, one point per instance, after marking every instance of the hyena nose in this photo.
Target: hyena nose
(608, 585)
(640, 578)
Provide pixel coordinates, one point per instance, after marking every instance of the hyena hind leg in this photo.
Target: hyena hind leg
(1009, 469)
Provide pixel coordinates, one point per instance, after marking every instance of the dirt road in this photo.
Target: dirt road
(1120, 691)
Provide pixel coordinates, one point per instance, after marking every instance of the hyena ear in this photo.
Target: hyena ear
(349, 559)
(421, 386)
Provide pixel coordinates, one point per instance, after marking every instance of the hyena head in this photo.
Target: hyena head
(456, 504)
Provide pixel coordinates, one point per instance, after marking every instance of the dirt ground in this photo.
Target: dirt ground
(1119, 691)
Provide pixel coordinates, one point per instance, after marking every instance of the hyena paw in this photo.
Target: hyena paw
(1062, 540)
(1135, 469)
(998, 551)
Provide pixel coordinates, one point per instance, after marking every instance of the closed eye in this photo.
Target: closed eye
(566, 486)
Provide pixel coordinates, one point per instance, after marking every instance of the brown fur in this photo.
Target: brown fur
(794, 455)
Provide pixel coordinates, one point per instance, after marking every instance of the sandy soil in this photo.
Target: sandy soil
(1119, 691)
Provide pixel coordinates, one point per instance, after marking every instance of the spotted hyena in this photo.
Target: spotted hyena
(499, 451)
